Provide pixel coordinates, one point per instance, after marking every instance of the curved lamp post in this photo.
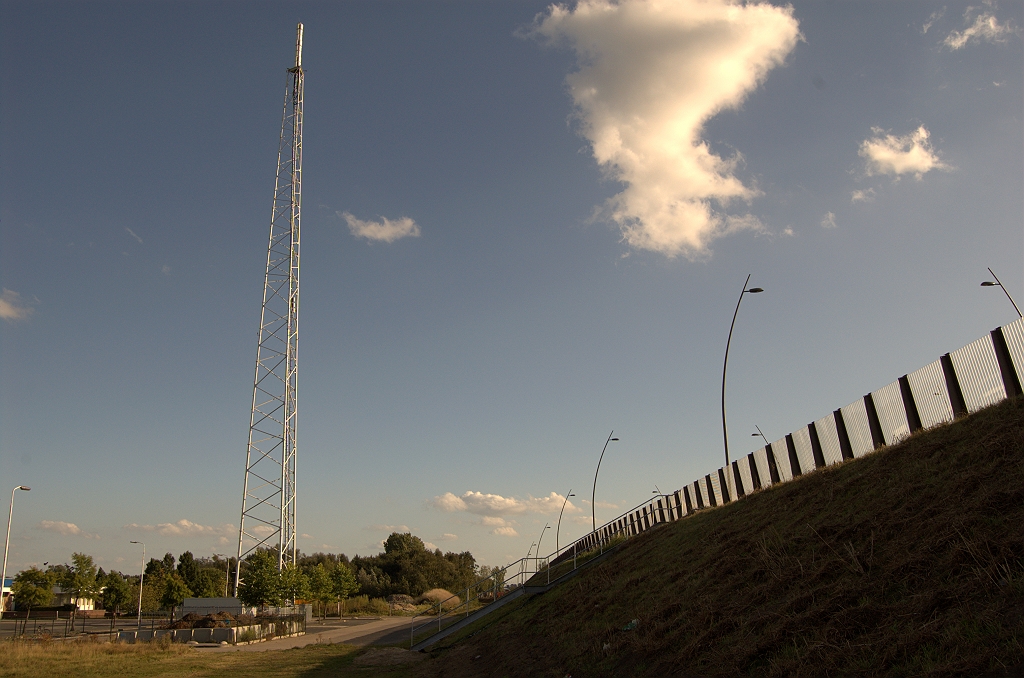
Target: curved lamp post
(142, 575)
(558, 529)
(3, 573)
(997, 283)
(593, 494)
(536, 556)
(759, 433)
(725, 365)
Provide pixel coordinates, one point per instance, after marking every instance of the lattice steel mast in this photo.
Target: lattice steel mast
(268, 497)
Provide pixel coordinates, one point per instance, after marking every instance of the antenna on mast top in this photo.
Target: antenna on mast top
(298, 47)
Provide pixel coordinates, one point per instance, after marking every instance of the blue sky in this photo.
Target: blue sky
(580, 191)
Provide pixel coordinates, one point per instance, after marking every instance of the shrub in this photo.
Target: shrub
(435, 596)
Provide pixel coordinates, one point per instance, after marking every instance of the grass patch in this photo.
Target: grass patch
(907, 562)
(20, 659)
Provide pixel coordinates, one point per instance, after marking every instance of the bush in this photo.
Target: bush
(435, 596)
(378, 606)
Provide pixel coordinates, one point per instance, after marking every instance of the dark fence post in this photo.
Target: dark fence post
(913, 417)
(725, 488)
(794, 462)
(740, 490)
(956, 396)
(754, 475)
(711, 490)
(877, 438)
(845, 448)
(686, 497)
(697, 494)
(819, 456)
(773, 467)
(1009, 375)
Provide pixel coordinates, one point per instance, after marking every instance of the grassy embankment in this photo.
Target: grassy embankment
(909, 561)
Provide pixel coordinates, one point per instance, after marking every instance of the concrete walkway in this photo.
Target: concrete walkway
(383, 630)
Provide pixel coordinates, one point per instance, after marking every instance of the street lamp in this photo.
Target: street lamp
(3, 573)
(997, 283)
(558, 529)
(227, 571)
(725, 364)
(541, 538)
(593, 494)
(754, 435)
(142, 575)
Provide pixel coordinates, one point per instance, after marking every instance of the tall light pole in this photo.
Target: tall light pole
(593, 494)
(3, 574)
(754, 435)
(541, 538)
(997, 283)
(725, 365)
(558, 529)
(142, 575)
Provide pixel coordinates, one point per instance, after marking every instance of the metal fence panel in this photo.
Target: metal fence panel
(977, 370)
(743, 464)
(781, 451)
(1014, 335)
(763, 473)
(717, 487)
(828, 436)
(892, 415)
(857, 428)
(702, 487)
(931, 396)
(804, 452)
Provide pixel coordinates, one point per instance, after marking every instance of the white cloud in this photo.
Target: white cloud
(898, 155)
(496, 505)
(867, 195)
(132, 234)
(448, 536)
(829, 220)
(935, 16)
(186, 528)
(386, 230)
(430, 546)
(505, 532)
(493, 521)
(985, 28)
(652, 73)
(788, 231)
(165, 269)
(11, 306)
(66, 529)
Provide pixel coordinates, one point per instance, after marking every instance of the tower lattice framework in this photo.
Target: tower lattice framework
(268, 497)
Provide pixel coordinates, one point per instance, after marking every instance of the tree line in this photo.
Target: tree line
(406, 566)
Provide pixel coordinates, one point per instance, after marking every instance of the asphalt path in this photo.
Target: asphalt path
(364, 631)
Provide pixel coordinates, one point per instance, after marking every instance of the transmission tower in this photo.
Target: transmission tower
(268, 497)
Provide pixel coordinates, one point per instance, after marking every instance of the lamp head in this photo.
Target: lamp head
(23, 487)
(989, 283)
(756, 290)
(614, 439)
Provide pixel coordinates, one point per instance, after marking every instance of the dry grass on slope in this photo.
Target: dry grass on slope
(907, 562)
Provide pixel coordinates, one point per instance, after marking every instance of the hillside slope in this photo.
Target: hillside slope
(909, 561)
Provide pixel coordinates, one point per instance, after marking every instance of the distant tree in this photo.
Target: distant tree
(154, 568)
(32, 588)
(261, 580)
(117, 593)
(174, 593)
(321, 588)
(168, 562)
(294, 584)
(188, 569)
(343, 585)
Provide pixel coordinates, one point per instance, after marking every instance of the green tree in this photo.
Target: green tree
(117, 593)
(261, 580)
(294, 584)
(32, 588)
(343, 584)
(189, 570)
(321, 588)
(83, 584)
(174, 593)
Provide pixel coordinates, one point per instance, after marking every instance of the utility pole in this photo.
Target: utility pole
(268, 495)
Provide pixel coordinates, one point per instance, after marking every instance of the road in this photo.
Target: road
(375, 631)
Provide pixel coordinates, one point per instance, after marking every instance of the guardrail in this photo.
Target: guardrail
(961, 382)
